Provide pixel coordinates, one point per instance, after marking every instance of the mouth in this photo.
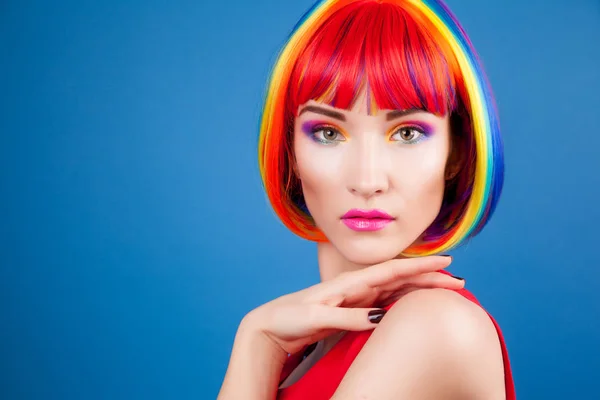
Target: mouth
(366, 220)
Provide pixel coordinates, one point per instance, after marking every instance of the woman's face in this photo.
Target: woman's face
(372, 183)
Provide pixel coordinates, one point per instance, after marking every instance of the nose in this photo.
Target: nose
(368, 171)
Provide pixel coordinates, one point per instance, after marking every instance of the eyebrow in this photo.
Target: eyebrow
(338, 115)
(402, 113)
(323, 111)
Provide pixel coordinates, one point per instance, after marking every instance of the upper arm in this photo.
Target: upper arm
(432, 344)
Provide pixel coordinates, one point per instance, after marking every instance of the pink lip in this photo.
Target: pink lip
(366, 221)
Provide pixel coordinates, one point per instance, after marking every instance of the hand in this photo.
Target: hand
(295, 320)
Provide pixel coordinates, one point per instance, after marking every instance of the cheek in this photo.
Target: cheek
(419, 177)
(319, 169)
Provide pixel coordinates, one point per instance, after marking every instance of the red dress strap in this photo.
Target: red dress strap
(321, 381)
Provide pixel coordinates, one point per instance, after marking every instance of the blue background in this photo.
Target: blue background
(135, 233)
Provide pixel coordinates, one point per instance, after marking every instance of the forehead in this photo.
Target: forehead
(363, 104)
(362, 108)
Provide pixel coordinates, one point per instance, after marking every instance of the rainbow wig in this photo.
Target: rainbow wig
(408, 54)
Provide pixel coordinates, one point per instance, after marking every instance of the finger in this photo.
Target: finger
(427, 280)
(334, 300)
(395, 296)
(320, 335)
(347, 319)
(393, 270)
(349, 285)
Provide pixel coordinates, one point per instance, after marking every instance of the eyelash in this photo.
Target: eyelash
(422, 134)
(319, 128)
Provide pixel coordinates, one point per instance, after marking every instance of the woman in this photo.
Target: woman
(379, 141)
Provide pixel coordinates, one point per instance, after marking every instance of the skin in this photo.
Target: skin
(368, 167)
(289, 323)
(433, 343)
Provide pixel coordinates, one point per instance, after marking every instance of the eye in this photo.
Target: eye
(327, 134)
(408, 135)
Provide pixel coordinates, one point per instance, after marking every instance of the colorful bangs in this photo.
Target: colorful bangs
(394, 60)
(406, 54)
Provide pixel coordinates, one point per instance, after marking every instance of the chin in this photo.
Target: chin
(371, 250)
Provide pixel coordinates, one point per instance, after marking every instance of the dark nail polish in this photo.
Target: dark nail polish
(458, 277)
(376, 315)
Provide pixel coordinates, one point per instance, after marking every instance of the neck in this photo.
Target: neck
(332, 263)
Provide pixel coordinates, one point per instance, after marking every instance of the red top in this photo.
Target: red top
(322, 380)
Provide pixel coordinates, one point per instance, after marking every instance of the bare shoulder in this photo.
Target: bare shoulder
(432, 344)
(448, 318)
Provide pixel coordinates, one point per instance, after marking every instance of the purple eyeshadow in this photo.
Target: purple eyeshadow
(309, 126)
(428, 130)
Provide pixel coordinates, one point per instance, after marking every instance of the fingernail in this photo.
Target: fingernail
(376, 315)
(458, 277)
(446, 255)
